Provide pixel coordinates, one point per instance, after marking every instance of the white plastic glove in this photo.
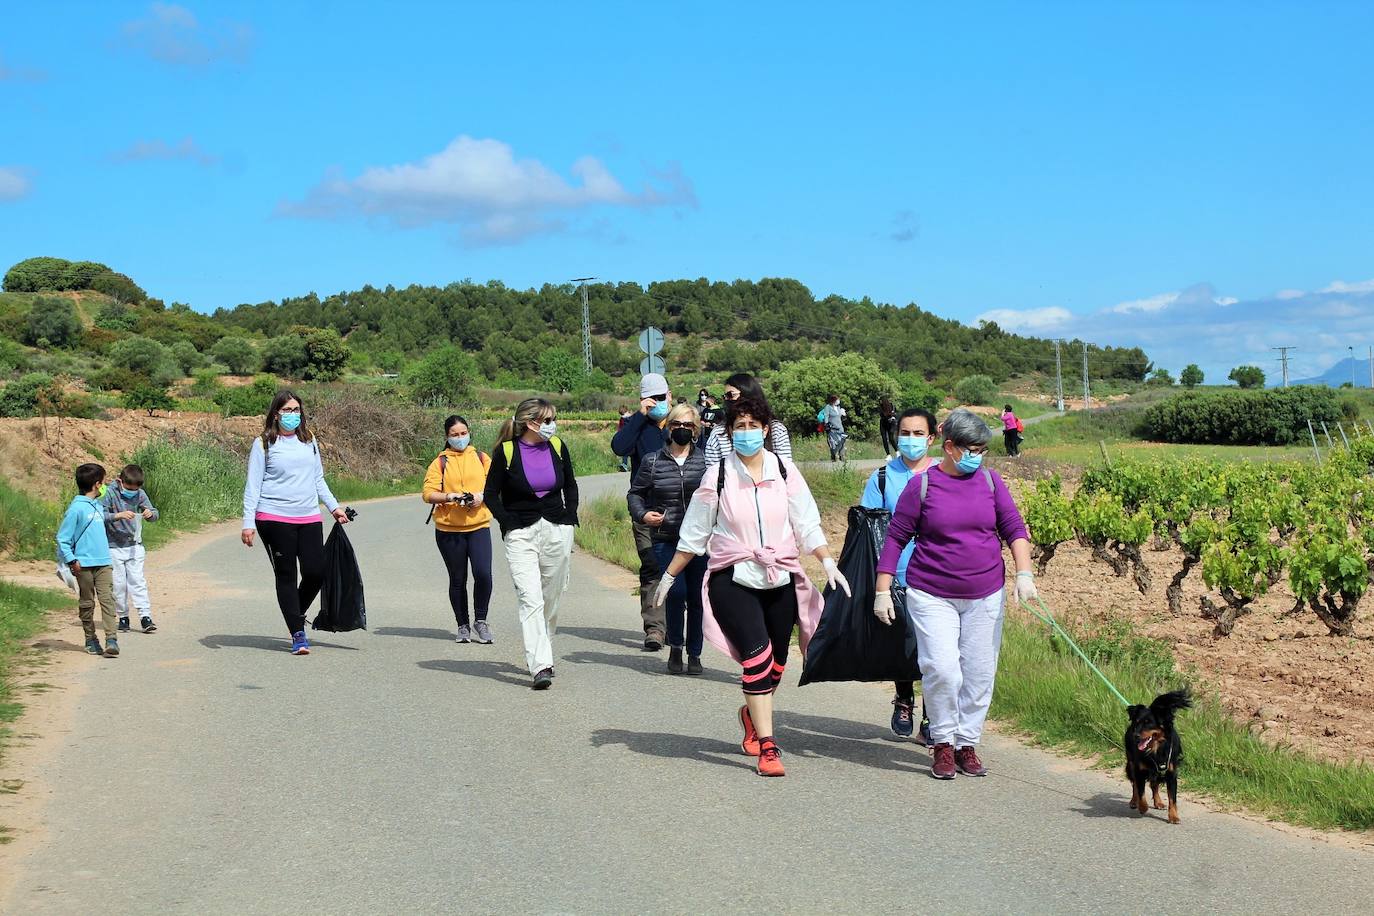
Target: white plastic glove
(882, 607)
(834, 577)
(1026, 592)
(665, 585)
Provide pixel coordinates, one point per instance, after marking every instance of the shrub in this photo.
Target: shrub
(1247, 376)
(285, 355)
(326, 354)
(1276, 417)
(1160, 378)
(148, 358)
(917, 392)
(1191, 376)
(35, 275)
(206, 384)
(559, 370)
(52, 323)
(187, 356)
(117, 286)
(147, 397)
(12, 356)
(113, 378)
(237, 354)
(800, 390)
(116, 316)
(976, 389)
(80, 274)
(29, 395)
(443, 378)
(1350, 408)
(248, 400)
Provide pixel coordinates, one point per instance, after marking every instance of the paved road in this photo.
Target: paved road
(394, 771)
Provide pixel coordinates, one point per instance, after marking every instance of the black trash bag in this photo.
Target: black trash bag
(849, 643)
(341, 597)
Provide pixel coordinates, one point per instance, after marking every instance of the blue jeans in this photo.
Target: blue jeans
(685, 595)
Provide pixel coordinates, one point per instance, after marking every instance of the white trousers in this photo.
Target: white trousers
(957, 643)
(130, 588)
(540, 561)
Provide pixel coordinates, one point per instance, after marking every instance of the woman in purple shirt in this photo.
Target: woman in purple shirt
(960, 516)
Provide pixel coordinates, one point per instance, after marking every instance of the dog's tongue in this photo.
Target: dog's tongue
(1144, 743)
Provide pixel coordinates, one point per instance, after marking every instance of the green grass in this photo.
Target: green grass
(22, 611)
(605, 531)
(351, 489)
(192, 483)
(815, 448)
(28, 526)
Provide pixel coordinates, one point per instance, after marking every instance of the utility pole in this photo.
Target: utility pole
(1371, 367)
(586, 326)
(1283, 358)
(1059, 377)
(1087, 392)
(1352, 365)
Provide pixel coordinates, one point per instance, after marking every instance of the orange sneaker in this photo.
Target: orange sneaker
(750, 744)
(770, 759)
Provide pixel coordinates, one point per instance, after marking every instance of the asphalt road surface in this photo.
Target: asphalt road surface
(394, 771)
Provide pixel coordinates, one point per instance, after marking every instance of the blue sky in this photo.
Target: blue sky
(1194, 178)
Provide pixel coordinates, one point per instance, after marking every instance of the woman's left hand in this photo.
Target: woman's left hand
(1025, 592)
(341, 515)
(834, 578)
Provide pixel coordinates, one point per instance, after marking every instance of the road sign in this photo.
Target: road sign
(652, 364)
(651, 342)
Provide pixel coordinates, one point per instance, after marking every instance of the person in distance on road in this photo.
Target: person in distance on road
(754, 516)
(532, 492)
(658, 498)
(455, 485)
(281, 502)
(955, 586)
(1011, 431)
(776, 440)
(834, 428)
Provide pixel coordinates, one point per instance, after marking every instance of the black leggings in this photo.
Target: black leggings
(758, 622)
(889, 437)
(1012, 440)
(459, 548)
(289, 546)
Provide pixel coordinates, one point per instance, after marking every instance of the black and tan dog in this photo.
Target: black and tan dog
(1154, 750)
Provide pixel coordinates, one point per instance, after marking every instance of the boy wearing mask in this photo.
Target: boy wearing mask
(643, 435)
(127, 507)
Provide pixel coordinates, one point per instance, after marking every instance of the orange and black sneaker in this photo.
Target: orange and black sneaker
(750, 744)
(770, 758)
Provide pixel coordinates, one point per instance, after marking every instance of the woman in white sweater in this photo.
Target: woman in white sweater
(281, 502)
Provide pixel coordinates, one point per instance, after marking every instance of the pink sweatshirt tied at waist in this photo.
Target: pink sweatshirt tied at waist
(725, 552)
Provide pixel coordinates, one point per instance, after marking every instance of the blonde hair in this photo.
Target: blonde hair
(682, 412)
(530, 410)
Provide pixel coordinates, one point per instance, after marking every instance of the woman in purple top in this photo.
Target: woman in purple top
(960, 516)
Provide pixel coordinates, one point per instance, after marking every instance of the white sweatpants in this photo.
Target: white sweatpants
(130, 588)
(957, 643)
(540, 560)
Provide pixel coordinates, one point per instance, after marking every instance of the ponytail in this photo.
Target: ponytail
(506, 434)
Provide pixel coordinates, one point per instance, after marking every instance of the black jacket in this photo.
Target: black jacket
(512, 502)
(661, 486)
(639, 438)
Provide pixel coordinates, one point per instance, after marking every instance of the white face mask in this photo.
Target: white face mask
(548, 430)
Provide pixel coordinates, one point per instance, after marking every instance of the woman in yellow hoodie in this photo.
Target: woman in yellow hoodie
(462, 525)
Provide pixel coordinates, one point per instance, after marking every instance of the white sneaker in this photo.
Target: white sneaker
(464, 634)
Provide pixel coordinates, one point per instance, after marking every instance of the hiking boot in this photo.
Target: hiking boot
(464, 633)
(111, 647)
(966, 758)
(902, 711)
(483, 632)
(146, 621)
(942, 762)
(675, 661)
(770, 759)
(543, 680)
(124, 624)
(652, 643)
(299, 644)
(93, 646)
(750, 744)
(694, 664)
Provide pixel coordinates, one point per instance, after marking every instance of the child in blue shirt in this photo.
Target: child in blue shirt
(82, 546)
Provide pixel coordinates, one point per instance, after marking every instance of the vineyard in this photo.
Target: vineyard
(1245, 527)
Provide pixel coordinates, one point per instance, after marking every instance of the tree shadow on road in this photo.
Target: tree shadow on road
(270, 643)
(625, 639)
(842, 739)
(674, 747)
(416, 633)
(652, 664)
(504, 672)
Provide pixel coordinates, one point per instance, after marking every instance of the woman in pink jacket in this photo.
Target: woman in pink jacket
(754, 515)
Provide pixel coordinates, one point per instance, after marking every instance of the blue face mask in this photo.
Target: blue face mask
(913, 448)
(659, 410)
(969, 462)
(747, 441)
(289, 421)
(458, 443)
(128, 494)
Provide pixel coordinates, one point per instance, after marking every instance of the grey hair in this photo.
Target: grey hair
(964, 428)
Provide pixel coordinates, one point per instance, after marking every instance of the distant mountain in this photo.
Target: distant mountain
(1336, 376)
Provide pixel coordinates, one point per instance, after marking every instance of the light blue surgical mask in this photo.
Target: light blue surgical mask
(969, 462)
(548, 430)
(913, 448)
(289, 421)
(747, 441)
(660, 409)
(458, 443)
(128, 494)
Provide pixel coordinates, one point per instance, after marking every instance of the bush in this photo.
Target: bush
(80, 274)
(1247, 376)
(248, 400)
(1160, 378)
(206, 384)
(1191, 376)
(52, 323)
(917, 392)
(187, 356)
(116, 316)
(35, 275)
(326, 354)
(1350, 407)
(236, 354)
(118, 286)
(30, 395)
(1276, 417)
(147, 397)
(112, 378)
(285, 356)
(12, 356)
(444, 378)
(148, 358)
(976, 389)
(800, 390)
(559, 370)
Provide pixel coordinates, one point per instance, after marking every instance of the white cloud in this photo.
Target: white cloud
(1148, 304)
(14, 184)
(1226, 300)
(1028, 320)
(479, 185)
(1285, 294)
(171, 34)
(1340, 286)
(149, 150)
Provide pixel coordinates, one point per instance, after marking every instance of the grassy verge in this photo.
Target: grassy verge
(27, 525)
(605, 531)
(815, 448)
(21, 616)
